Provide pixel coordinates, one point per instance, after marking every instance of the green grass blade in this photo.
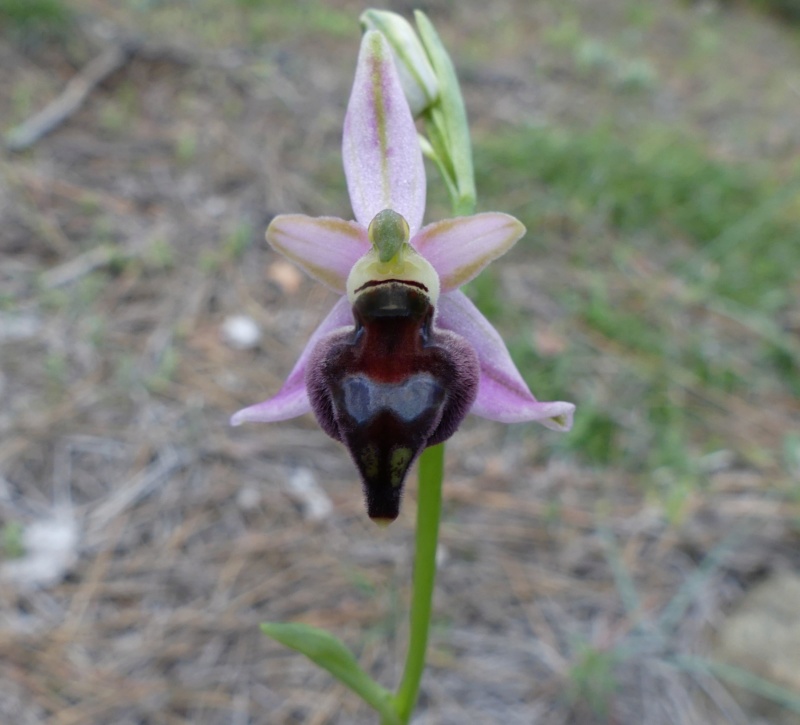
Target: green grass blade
(740, 678)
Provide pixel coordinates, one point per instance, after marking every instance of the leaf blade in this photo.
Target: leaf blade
(331, 654)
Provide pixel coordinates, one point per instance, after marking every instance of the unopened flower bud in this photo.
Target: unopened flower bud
(417, 77)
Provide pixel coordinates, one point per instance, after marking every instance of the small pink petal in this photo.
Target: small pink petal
(460, 248)
(502, 393)
(324, 247)
(380, 150)
(292, 399)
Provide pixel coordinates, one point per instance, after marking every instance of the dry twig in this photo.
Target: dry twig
(73, 97)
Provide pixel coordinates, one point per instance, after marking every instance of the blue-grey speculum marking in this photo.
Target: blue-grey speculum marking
(364, 398)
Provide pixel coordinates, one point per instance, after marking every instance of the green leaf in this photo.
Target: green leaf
(330, 653)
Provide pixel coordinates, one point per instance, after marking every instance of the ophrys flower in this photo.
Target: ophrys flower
(403, 355)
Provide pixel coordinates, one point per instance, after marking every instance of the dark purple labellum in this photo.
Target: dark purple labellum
(390, 387)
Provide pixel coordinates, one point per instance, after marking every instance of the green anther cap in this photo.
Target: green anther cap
(388, 232)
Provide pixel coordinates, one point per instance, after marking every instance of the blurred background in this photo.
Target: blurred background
(643, 568)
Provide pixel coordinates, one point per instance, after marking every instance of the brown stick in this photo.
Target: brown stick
(71, 99)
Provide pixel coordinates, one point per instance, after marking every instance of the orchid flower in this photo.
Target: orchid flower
(403, 355)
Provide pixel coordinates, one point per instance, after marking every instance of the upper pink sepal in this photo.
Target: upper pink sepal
(502, 393)
(380, 149)
(460, 248)
(292, 399)
(325, 248)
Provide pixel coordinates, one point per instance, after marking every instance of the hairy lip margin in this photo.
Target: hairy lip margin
(378, 282)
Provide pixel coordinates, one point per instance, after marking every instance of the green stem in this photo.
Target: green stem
(429, 508)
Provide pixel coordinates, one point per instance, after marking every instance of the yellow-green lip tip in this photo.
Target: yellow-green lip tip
(382, 521)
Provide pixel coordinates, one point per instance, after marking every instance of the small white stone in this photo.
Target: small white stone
(241, 332)
(303, 488)
(248, 498)
(51, 550)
